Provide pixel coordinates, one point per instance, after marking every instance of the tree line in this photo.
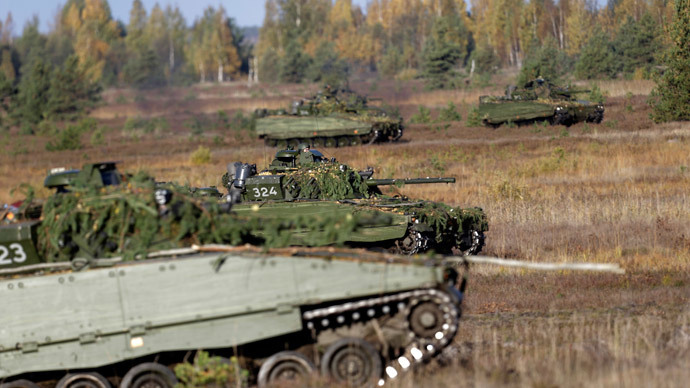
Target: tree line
(433, 38)
(59, 74)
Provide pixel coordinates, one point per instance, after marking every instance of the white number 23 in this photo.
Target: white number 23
(17, 252)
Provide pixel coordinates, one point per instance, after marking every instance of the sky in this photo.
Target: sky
(246, 13)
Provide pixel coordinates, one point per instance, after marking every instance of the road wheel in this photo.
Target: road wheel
(281, 144)
(293, 143)
(149, 375)
(355, 141)
(284, 366)
(331, 142)
(352, 361)
(19, 384)
(470, 243)
(343, 141)
(413, 242)
(83, 380)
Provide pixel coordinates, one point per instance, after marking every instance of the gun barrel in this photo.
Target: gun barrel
(409, 181)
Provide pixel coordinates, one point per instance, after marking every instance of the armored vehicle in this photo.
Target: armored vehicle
(89, 302)
(538, 100)
(303, 182)
(331, 118)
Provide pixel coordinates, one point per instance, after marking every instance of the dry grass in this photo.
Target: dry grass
(597, 348)
(615, 192)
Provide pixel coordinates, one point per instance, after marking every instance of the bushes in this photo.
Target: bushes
(449, 113)
(202, 155)
(423, 115)
(208, 371)
(67, 139)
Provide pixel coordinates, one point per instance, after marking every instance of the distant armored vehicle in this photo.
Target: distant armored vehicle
(538, 100)
(88, 301)
(300, 182)
(331, 118)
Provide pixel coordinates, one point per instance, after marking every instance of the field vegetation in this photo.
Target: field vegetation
(615, 192)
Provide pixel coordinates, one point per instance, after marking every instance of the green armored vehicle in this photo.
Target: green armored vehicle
(538, 100)
(332, 118)
(89, 301)
(303, 182)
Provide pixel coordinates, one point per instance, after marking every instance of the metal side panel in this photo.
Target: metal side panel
(61, 307)
(104, 350)
(286, 127)
(324, 280)
(101, 316)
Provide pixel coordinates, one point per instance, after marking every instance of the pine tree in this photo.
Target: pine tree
(547, 62)
(671, 98)
(636, 44)
(596, 59)
(71, 93)
(327, 67)
(7, 64)
(7, 91)
(441, 55)
(29, 106)
(293, 66)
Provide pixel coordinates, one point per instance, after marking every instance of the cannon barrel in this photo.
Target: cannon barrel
(409, 181)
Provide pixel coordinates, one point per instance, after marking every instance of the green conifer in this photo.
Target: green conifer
(441, 55)
(30, 104)
(671, 98)
(596, 59)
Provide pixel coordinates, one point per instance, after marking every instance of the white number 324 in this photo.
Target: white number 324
(264, 192)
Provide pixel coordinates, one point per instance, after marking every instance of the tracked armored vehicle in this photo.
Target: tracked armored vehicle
(88, 301)
(538, 101)
(331, 118)
(303, 182)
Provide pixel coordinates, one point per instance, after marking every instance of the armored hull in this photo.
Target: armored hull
(125, 323)
(329, 119)
(327, 131)
(538, 101)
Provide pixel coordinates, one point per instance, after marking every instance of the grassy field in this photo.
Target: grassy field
(615, 192)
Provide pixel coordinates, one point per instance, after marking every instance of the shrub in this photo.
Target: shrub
(97, 137)
(67, 139)
(197, 125)
(208, 371)
(449, 113)
(202, 155)
(473, 119)
(423, 116)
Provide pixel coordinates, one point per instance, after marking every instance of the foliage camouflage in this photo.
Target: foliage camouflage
(327, 186)
(95, 221)
(538, 100)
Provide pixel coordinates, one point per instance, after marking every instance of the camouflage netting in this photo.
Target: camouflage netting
(445, 221)
(129, 220)
(326, 181)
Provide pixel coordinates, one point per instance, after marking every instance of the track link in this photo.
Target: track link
(432, 318)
